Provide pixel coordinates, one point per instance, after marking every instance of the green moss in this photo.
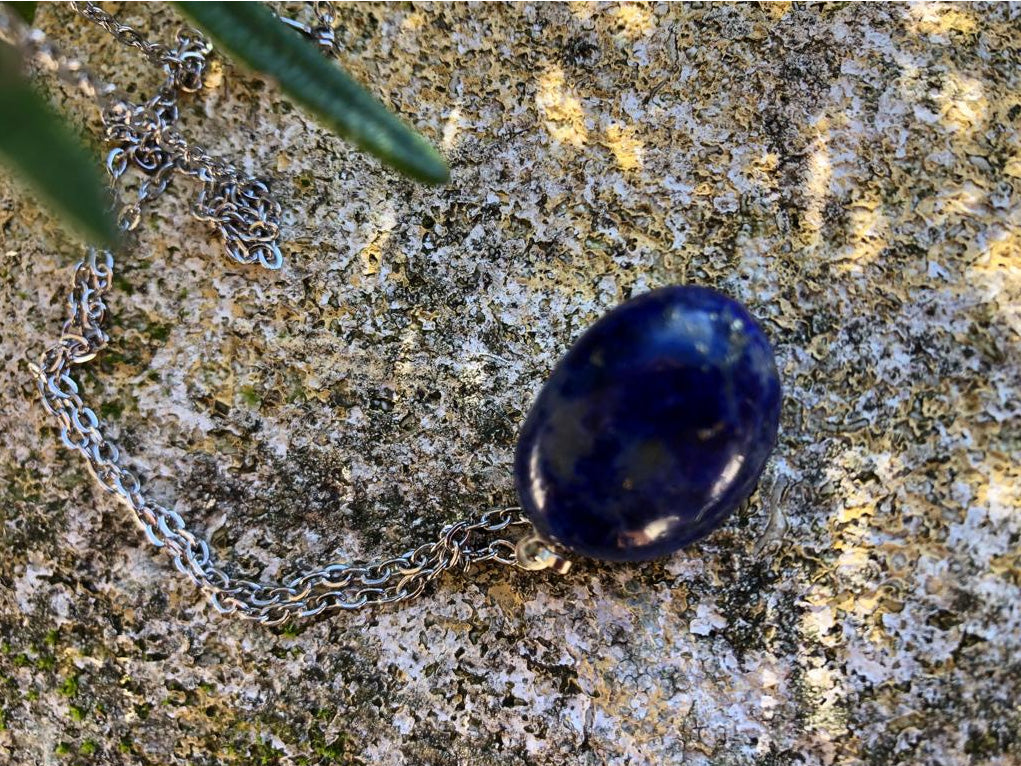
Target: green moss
(77, 714)
(122, 284)
(62, 749)
(111, 408)
(263, 754)
(69, 687)
(112, 357)
(250, 743)
(249, 396)
(51, 638)
(22, 661)
(89, 747)
(335, 750)
(124, 746)
(45, 662)
(158, 332)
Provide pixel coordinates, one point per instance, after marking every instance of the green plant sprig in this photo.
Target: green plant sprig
(256, 38)
(42, 150)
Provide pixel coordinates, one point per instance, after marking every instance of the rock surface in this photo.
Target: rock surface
(852, 173)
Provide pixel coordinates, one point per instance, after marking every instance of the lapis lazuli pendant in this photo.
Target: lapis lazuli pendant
(653, 428)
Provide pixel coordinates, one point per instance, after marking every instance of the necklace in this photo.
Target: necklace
(653, 428)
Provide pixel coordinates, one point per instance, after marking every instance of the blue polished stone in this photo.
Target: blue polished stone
(653, 428)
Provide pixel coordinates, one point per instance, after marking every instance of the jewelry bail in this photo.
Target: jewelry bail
(534, 553)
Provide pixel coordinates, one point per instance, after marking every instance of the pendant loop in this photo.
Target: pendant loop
(533, 553)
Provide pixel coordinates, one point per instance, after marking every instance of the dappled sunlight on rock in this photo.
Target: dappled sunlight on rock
(996, 272)
(562, 111)
(868, 233)
(413, 22)
(634, 20)
(626, 147)
(451, 128)
(582, 9)
(940, 18)
(963, 103)
(817, 184)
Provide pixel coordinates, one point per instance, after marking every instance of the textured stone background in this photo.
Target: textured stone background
(853, 173)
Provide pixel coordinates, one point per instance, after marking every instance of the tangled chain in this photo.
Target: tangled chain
(247, 219)
(241, 209)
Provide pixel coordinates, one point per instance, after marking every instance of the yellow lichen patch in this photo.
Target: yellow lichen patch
(849, 514)
(371, 257)
(777, 10)
(869, 233)
(963, 103)
(507, 598)
(626, 147)
(1001, 254)
(413, 22)
(997, 271)
(853, 556)
(999, 492)
(865, 604)
(940, 18)
(819, 617)
(956, 201)
(1008, 565)
(561, 109)
(634, 20)
(583, 11)
(768, 162)
(213, 77)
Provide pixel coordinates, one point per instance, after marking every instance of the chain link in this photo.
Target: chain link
(242, 209)
(155, 52)
(247, 219)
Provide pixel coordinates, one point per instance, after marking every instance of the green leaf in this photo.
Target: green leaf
(25, 10)
(254, 36)
(36, 144)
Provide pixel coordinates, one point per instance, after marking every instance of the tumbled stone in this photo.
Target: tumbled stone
(653, 428)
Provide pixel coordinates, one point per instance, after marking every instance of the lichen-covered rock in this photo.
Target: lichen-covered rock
(850, 172)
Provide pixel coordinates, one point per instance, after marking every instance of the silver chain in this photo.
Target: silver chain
(247, 218)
